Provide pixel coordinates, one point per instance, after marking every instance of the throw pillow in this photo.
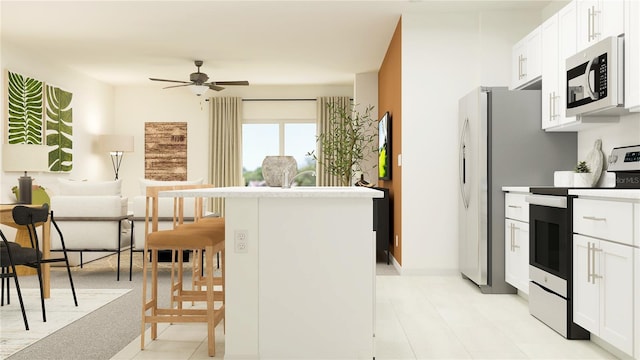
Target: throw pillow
(71, 187)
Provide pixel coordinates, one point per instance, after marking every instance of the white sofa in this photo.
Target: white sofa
(165, 209)
(92, 216)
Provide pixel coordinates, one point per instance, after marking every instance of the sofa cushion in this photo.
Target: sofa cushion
(147, 182)
(82, 188)
(89, 206)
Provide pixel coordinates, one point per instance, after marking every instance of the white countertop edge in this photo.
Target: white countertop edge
(273, 192)
(631, 194)
(524, 189)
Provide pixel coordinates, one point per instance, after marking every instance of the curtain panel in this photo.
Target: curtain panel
(225, 141)
(323, 177)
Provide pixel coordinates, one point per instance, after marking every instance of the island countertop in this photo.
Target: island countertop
(266, 192)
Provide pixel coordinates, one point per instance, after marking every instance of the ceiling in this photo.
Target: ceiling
(264, 42)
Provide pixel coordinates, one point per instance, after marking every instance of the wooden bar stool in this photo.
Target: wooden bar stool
(210, 239)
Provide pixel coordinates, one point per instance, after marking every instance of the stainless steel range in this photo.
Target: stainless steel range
(550, 260)
(550, 245)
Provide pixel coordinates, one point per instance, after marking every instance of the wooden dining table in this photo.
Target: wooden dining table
(22, 238)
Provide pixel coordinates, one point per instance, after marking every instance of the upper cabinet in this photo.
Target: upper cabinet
(598, 19)
(578, 25)
(559, 42)
(632, 55)
(526, 65)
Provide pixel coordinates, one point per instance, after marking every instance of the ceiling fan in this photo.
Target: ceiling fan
(199, 80)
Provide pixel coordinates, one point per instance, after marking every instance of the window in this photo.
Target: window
(262, 138)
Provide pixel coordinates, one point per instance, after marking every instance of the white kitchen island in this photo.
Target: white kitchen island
(300, 271)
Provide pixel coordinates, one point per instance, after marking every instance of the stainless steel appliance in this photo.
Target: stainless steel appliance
(501, 144)
(625, 163)
(550, 260)
(595, 79)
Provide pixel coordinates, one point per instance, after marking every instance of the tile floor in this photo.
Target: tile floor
(418, 317)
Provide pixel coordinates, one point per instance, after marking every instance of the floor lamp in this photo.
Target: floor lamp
(116, 146)
(24, 158)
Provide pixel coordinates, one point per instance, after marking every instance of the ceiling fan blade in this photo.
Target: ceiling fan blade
(244, 82)
(175, 81)
(174, 86)
(215, 87)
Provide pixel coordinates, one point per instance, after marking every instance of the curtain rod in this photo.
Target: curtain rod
(283, 99)
(298, 99)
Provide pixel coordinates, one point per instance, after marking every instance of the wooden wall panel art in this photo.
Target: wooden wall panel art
(165, 150)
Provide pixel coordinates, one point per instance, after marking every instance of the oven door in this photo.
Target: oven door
(549, 234)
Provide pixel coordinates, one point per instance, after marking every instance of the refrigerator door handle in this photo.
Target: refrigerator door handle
(463, 163)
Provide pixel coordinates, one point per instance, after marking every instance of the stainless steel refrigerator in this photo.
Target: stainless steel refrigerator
(501, 144)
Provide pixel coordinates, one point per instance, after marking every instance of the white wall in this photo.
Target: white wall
(444, 56)
(136, 105)
(92, 114)
(365, 94)
(624, 133)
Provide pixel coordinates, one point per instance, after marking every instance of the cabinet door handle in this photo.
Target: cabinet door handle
(513, 238)
(514, 206)
(524, 66)
(594, 276)
(594, 13)
(588, 261)
(550, 106)
(589, 17)
(593, 218)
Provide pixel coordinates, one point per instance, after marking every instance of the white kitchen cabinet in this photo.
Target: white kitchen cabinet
(636, 321)
(517, 241)
(517, 254)
(603, 270)
(598, 19)
(526, 61)
(558, 43)
(632, 55)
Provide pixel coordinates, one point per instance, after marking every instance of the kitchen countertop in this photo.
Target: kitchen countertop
(524, 189)
(630, 194)
(265, 192)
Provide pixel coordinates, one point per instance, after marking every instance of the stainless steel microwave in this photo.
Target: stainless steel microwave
(595, 79)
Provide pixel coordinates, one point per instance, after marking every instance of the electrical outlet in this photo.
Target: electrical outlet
(241, 241)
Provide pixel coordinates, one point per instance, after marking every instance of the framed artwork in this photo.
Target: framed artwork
(165, 150)
(40, 114)
(59, 128)
(24, 104)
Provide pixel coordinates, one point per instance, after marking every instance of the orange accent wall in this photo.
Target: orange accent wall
(390, 99)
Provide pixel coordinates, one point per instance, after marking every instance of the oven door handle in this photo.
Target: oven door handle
(547, 200)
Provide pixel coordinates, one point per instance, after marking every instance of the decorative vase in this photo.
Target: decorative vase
(582, 180)
(274, 169)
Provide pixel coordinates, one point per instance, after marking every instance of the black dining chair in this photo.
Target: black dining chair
(8, 252)
(31, 217)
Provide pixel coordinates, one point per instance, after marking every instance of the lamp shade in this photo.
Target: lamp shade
(199, 89)
(115, 143)
(25, 157)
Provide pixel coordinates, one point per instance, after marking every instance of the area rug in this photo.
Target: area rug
(60, 313)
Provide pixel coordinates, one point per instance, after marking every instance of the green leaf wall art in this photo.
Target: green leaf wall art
(59, 128)
(38, 113)
(25, 99)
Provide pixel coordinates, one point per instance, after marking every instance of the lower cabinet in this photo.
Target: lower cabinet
(516, 263)
(636, 276)
(603, 290)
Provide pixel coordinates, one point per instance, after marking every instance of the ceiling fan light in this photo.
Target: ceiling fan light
(199, 90)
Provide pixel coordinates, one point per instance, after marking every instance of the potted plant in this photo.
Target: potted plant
(582, 177)
(347, 143)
